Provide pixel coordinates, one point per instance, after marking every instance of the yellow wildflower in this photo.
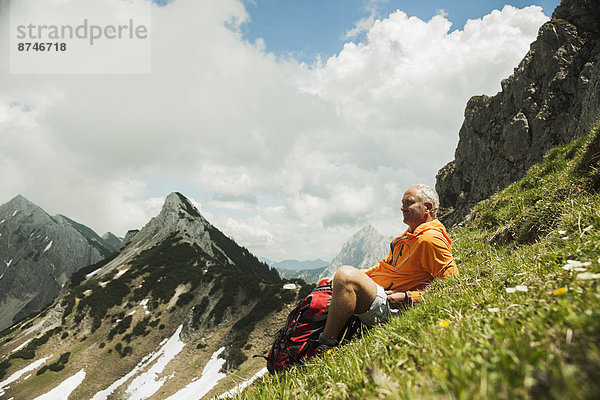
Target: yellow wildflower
(444, 323)
(560, 291)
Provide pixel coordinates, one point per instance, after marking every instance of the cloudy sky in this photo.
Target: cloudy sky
(291, 124)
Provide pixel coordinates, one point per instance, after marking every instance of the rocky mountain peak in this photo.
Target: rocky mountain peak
(19, 203)
(367, 231)
(362, 250)
(19, 211)
(179, 219)
(178, 214)
(176, 203)
(113, 241)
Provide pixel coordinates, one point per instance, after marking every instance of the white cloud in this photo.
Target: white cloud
(442, 12)
(360, 26)
(332, 147)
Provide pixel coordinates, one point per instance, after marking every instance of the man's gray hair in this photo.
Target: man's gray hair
(427, 194)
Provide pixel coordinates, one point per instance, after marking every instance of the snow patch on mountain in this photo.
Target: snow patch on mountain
(148, 382)
(64, 390)
(25, 343)
(4, 385)
(121, 272)
(209, 378)
(238, 389)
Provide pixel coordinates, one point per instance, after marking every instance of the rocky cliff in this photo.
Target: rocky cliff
(38, 254)
(552, 97)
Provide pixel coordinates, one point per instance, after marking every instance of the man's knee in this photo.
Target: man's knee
(346, 275)
(350, 279)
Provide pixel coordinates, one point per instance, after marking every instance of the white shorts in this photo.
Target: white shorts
(379, 310)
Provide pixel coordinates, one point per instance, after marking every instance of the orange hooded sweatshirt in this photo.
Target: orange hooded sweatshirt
(415, 259)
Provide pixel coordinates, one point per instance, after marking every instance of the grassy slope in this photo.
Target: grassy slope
(470, 338)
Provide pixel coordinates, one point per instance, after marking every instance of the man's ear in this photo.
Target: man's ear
(428, 206)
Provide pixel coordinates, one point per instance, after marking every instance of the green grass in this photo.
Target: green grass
(470, 338)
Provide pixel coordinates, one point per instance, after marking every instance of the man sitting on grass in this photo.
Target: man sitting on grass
(419, 255)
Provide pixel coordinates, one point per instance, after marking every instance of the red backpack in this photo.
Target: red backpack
(298, 339)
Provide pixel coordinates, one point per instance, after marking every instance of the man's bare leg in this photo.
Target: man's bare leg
(353, 293)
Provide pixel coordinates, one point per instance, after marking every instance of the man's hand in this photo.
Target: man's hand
(396, 297)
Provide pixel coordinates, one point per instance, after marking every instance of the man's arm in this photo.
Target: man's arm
(436, 258)
(399, 297)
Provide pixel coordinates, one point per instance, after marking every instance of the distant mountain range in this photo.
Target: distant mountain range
(362, 250)
(298, 265)
(308, 271)
(38, 254)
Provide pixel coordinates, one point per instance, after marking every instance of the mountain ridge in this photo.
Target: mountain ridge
(179, 281)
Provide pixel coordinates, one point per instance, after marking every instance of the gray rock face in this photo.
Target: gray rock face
(129, 237)
(38, 254)
(552, 98)
(179, 216)
(363, 250)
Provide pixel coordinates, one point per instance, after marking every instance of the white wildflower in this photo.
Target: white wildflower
(578, 266)
(493, 309)
(520, 288)
(588, 275)
(562, 232)
(579, 263)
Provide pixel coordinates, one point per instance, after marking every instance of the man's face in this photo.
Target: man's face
(413, 209)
